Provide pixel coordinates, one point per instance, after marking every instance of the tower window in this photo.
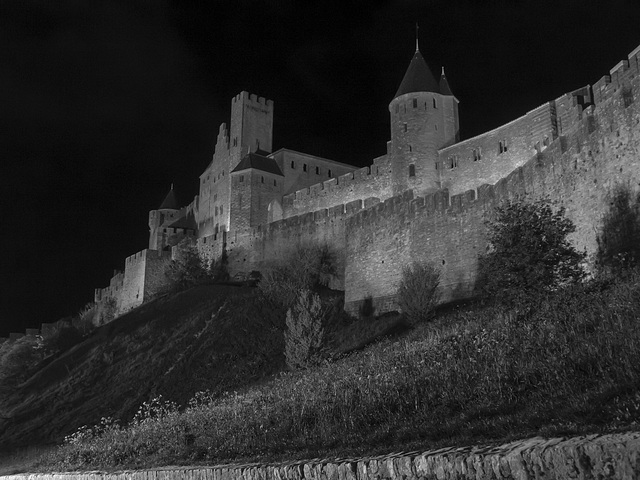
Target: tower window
(412, 170)
(304, 167)
(453, 161)
(275, 183)
(477, 154)
(405, 127)
(293, 164)
(216, 211)
(221, 209)
(329, 173)
(502, 146)
(261, 179)
(241, 178)
(436, 128)
(415, 103)
(434, 103)
(410, 148)
(317, 170)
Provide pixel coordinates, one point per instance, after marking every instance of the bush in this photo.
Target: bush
(417, 292)
(305, 331)
(188, 268)
(62, 338)
(619, 240)
(529, 253)
(17, 359)
(306, 268)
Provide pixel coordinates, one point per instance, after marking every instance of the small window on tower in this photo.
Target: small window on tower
(304, 167)
(435, 105)
(317, 170)
(275, 184)
(216, 211)
(405, 127)
(221, 209)
(241, 178)
(329, 173)
(415, 103)
(261, 179)
(293, 164)
(412, 170)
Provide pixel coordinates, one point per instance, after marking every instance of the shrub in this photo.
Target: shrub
(305, 331)
(188, 268)
(417, 291)
(619, 240)
(17, 359)
(529, 253)
(306, 268)
(62, 338)
(87, 319)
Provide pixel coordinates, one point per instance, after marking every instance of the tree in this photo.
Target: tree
(417, 291)
(305, 331)
(528, 252)
(188, 268)
(619, 240)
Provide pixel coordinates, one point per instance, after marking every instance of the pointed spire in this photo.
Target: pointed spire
(418, 78)
(169, 202)
(444, 85)
(417, 47)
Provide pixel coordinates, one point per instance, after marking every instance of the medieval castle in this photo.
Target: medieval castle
(424, 199)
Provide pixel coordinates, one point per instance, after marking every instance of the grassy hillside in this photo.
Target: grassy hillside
(218, 338)
(568, 364)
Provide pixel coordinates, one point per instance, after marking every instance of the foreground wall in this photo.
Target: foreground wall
(578, 171)
(614, 456)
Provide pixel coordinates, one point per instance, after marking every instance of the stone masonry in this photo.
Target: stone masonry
(425, 199)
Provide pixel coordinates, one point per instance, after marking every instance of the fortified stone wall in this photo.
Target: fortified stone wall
(366, 182)
(488, 157)
(578, 170)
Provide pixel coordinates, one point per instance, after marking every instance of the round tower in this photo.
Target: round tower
(166, 213)
(424, 119)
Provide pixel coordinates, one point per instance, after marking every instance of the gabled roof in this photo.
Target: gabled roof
(258, 162)
(169, 202)
(444, 85)
(187, 222)
(418, 78)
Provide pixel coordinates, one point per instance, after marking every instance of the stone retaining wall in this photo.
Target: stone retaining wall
(614, 456)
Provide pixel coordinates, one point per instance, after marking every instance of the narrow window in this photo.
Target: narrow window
(477, 155)
(453, 161)
(241, 178)
(434, 103)
(405, 127)
(304, 167)
(293, 164)
(412, 170)
(275, 184)
(216, 211)
(261, 179)
(317, 170)
(329, 173)
(436, 128)
(409, 147)
(222, 208)
(415, 103)
(425, 105)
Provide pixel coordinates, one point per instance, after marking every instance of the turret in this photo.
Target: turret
(166, 213)
(424, 119)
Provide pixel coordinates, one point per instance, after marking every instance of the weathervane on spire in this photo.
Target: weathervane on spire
(417, 48)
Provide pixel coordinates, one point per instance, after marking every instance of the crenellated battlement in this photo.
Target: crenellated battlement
(252, 98)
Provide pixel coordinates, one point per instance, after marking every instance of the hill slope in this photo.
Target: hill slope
(209, 337)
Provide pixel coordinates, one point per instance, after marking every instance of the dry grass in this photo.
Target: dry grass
(569, 365)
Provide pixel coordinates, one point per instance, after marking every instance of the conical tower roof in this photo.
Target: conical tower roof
(169, 202)
(444, 85)
(418, 77)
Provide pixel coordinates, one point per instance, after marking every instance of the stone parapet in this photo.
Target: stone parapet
(611, 456)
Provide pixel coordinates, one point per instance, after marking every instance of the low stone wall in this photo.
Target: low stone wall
(614, 456)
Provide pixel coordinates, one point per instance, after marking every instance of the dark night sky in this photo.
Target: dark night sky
(103, 104)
